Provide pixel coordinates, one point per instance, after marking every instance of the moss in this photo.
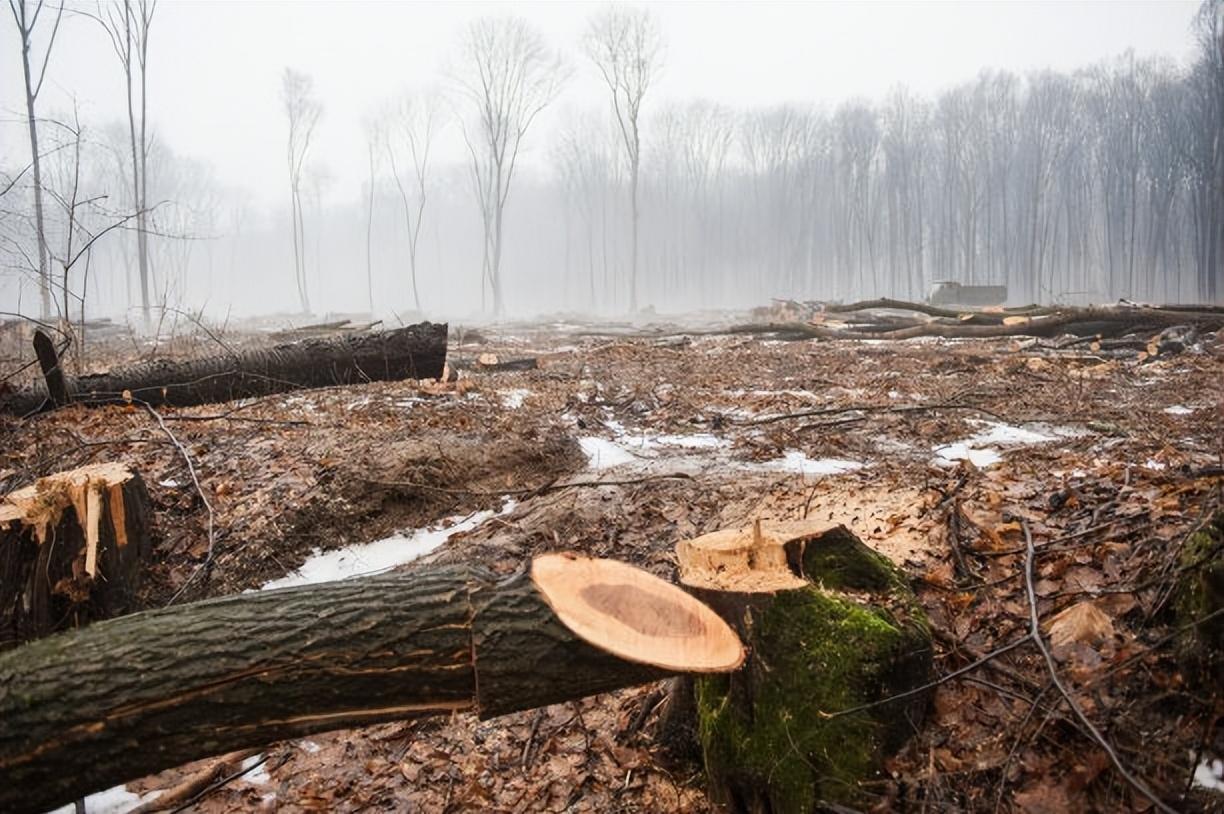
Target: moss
(840, 561)
(764, 732)
(1200, 594)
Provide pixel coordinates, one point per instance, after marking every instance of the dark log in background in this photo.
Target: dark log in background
(89, 709)
(44, 582)
(414, 352)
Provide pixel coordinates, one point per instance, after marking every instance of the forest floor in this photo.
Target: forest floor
(622, 443)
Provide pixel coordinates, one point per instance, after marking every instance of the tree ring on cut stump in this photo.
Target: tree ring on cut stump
(634, 615)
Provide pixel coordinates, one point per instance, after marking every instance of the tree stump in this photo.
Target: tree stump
(71, 549)
(831, 626)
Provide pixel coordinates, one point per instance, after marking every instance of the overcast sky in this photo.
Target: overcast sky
(215, 66)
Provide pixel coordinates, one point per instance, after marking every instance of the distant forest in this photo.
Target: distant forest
(1088, 186)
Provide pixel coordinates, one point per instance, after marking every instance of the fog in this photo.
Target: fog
(292, 157)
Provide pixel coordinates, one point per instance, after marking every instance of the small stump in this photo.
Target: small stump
(1200, 606)
(71, 549)
(830, 625)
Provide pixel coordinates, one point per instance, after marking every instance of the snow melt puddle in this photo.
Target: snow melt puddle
(382, 555)
(981, 451)
(117, 800)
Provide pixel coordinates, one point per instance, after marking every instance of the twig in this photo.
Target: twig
(1035, 635)
(554, 486)
(993, 654)
(212, 537)
(188, 790)
(866, 408)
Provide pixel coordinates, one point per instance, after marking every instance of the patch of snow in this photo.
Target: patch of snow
(513, 399)
(980, 449)
(1179, 409)
(702, 440)
(796, 461)
(117, 800)
(169, 483)
(1153, 464)
(950, 453)
(1004, 434)
(604, 454)
(310, 746)
(381, 555)
(1209, 774)
(258, 774)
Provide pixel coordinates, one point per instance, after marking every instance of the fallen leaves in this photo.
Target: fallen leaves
(1083, 623)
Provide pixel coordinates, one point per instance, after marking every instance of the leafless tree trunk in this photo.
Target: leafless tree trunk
(412, 124)
(627, 48)
(127, 24)
(507, 76)
(302, 110)
(27, 20)
(372, 138)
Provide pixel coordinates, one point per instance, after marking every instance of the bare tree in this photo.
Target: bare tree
(302, 110)
(410, 127)
(627, 49)
(507, 76)
(127, 25)
(373, 136)
(27, 21)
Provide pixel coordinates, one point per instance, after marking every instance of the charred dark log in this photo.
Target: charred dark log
(415, 352)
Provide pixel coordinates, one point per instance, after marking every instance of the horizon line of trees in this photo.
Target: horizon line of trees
(1090, 185)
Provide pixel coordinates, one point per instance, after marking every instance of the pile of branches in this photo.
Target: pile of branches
(1152, 329)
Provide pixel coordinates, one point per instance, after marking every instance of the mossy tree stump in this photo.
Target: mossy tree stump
(72, 546)
(1200, 606)
(831, 626)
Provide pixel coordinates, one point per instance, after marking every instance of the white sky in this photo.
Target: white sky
(215, 66)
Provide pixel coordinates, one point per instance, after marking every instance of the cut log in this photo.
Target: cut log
(72, 547)
(85, 710)
(415, 352)
(831, 626)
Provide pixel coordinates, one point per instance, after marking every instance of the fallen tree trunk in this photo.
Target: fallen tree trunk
(415, 352)
(88, 709)
(72, 546)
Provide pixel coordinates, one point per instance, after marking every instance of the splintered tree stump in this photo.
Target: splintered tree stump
(88, 709)
(72, 547)
(830, 626)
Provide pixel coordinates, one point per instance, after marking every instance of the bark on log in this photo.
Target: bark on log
(415, 352)
(85, 710)
(72, 546)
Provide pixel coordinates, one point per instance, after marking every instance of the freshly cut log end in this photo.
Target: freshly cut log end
(634, 615)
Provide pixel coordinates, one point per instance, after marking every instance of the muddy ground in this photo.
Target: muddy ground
(622, 443)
